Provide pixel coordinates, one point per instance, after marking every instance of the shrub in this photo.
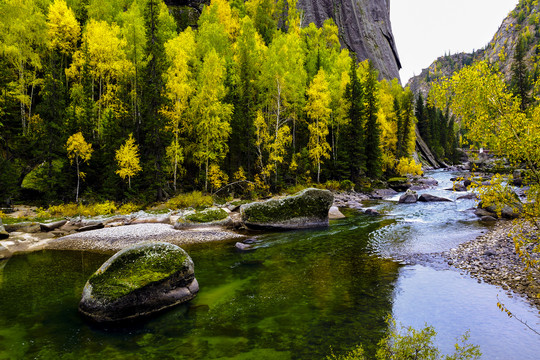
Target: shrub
(408, 167)
(128, 208)
(194, 199)
(413, 344)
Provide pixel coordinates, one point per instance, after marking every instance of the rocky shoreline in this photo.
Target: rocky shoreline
(492, 258)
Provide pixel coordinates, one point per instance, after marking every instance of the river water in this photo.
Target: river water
(298, 295)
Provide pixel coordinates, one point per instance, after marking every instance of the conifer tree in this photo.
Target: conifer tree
(373, 131)
(354, 132)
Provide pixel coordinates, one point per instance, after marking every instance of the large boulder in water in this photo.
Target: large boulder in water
(139, 281)
(306, 209)
(410, 197)
(432, 198)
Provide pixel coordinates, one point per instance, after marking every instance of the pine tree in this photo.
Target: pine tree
(521, 83)
(354, 132)
(373, 131)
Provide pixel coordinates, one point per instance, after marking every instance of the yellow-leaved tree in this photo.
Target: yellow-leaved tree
(79, 151)
(128, 160)
(494, 119)
(318, 109)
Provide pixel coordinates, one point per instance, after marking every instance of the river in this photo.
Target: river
(298, 295)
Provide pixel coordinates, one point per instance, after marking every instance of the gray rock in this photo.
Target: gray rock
(334, 213)
(432, 198)
(408, 198)
(372, 212)
(52, 225)
(211, 217)
(137, 282)
(468, 197)
(3, 233)
(383, 193)
(97, 226)
(364, 28)
(4, 252)
(488, 218)
(26, 227)
(307, 209)
(243, 247)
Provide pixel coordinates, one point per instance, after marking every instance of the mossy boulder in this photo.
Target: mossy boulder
(306, 209)
(139, 281)
(204, 218)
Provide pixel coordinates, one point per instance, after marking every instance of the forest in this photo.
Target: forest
(118, 100)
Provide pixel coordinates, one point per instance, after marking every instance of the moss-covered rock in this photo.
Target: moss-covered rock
(139, 281)
(306, 209)
(207, 217)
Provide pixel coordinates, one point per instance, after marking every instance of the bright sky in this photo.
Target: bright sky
(426, 29)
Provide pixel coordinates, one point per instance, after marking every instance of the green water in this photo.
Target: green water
(295, 297)
(298, 295)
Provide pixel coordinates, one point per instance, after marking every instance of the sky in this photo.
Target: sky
(426, 29)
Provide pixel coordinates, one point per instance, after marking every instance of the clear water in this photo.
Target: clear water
(299, 295)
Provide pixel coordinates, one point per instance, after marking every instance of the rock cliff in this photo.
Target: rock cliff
(364, 27)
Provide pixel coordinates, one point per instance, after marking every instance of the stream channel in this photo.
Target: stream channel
(298, 295)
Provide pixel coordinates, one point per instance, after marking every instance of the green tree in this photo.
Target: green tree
(211, 114)
(318, 109)
(79, 151)
(521, 83)
(128, 160)
(354, 131)
(373, 131)
(180, 84)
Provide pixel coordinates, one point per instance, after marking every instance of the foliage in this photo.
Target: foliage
(494, 118)
(412, 344)
(249, 87)
(194, 199)
(408, 167)
(127, 158)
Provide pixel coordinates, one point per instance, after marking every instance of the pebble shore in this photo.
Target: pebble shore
(492, 258)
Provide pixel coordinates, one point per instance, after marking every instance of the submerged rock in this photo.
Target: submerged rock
(139, 281)
(307, 209)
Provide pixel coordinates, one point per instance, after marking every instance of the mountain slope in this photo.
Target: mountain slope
(521, 23)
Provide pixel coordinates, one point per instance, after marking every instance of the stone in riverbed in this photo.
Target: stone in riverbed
(409, 197)
(432, 198)
(139, 281)
(307, 209)
(334, 213)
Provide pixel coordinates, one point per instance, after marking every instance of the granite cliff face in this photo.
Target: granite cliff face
(364, 27)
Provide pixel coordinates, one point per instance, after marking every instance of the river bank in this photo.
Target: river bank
(492, 258)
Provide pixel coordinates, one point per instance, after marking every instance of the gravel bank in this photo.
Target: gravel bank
(116, 238)
(492, 258)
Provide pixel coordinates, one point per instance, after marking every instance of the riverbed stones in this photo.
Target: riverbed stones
(137, 282)
(306, 209)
